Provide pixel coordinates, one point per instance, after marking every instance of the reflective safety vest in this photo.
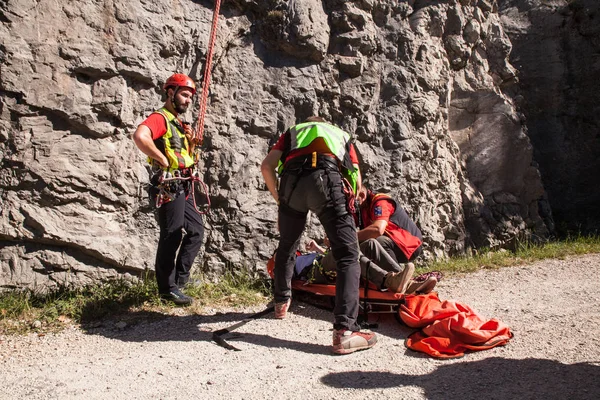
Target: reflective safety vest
(337, 140)
(173, 144)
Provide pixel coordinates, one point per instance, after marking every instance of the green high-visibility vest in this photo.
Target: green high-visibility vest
(337, 140)
(173, 144)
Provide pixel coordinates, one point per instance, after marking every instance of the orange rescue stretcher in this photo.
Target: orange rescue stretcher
(372, 300)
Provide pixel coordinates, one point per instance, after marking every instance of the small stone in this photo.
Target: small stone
(121, 325)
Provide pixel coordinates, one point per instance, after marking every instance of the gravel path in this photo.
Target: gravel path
(552, 307)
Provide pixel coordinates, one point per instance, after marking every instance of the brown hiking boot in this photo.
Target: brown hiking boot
(281, 309)
(397, 281)
(345, 341)
(422, 287)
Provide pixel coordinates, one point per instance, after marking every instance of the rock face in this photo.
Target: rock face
(556, 47)
(426, 88)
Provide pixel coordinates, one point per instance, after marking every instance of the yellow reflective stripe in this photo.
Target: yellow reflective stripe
(335, 138)
(174, 157)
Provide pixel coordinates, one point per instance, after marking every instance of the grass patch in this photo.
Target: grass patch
(24, 311)
(526, 253)
(234, 289)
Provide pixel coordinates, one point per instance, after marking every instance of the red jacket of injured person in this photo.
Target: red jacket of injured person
(383, 218)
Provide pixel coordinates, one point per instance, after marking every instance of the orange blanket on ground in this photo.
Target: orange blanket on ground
(449, 328)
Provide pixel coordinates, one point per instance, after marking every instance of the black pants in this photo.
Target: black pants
(373, 259)
(172, 267)
(321, 192)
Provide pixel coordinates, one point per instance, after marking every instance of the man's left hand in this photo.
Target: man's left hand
(193, 140)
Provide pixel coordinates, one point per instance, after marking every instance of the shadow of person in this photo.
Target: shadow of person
(273, 342)
(492, 378)
(153, 326)
(150, 326)
(141, 326)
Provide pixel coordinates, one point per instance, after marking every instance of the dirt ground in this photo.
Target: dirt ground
(552, 307)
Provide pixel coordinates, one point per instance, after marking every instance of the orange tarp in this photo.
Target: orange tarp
(449, 328)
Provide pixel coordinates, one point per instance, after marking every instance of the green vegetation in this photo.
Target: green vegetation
(22, 312)
(233, 289)
(526, 253)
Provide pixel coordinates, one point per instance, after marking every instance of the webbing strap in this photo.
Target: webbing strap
(310, 161)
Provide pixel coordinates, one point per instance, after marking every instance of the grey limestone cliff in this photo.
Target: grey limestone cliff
(427, 88)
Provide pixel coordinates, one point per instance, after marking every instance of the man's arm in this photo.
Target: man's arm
(376, 229)
(359, 179)
(143, 140)
(379, 216)
(267, 168)
(313, 246)
(355, 164)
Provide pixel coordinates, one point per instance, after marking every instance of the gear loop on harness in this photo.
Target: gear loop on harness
(171, 185)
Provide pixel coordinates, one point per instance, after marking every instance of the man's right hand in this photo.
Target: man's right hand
(164, 162)
(311, 246)
(143, 140)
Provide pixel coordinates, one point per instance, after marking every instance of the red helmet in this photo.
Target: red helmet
(177, 80)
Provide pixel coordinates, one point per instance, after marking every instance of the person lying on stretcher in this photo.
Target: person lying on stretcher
(318, 266)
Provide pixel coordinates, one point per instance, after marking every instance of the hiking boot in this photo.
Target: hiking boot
(422, 287)
(345, 341)
(177, 297)
(428, 285)
(397, 281)
(190, 283)
(282, 308)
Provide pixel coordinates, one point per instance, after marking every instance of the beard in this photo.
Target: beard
(179, 106)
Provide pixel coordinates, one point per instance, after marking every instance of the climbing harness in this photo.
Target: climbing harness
(168, 185)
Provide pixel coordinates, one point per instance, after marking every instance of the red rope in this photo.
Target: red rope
(213, 34)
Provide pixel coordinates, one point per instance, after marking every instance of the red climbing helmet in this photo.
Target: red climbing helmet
(177, 80)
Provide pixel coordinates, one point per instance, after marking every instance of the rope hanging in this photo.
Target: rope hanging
(194, 178)
(199, 134)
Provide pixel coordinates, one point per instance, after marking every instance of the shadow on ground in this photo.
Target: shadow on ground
(145, 326)
(492, 378)
(151, 326)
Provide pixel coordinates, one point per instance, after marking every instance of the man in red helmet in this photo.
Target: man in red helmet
(169, 145)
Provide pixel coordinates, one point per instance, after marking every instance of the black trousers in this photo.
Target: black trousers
(320, 191)
(172, 266)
